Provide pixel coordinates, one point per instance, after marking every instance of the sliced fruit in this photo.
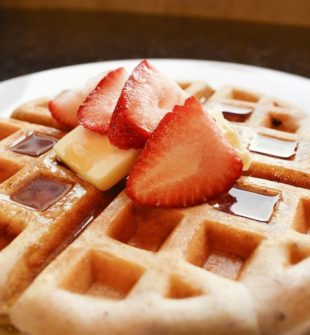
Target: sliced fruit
(96, 111)
(65, 105)
(186, 161)
(93, 157)
(146, 97)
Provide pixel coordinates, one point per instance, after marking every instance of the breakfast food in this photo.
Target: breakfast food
(185, 161)
(276, 133)
(238, 264)
(64, 106)
(95, 112)
(146, 97)
(41, 204)
(94, 158)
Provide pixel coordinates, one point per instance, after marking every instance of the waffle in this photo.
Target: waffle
(36, 111)
(33, 230)
(238, 265)
(258, 110)
(276, 133)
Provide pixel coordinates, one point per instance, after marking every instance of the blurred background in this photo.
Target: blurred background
(37, 35)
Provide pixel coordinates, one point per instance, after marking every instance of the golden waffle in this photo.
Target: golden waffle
(36, 111)
(52, 228)
(199, 89)
(277, 155)
(238, 265)
(163, 272)
(41, 205)
(257, 110)
(276, 133)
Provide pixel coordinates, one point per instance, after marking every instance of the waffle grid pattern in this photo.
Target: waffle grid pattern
(191, 271)
(29, 237)
(274, 119)
(131, 257)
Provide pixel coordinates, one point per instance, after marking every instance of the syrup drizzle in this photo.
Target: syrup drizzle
(235, 113)
(33, 144)
(85, 222)
(40, 193)
(272, 146)
(249, 204)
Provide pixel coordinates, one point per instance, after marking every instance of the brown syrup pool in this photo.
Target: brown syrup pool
(245, 203)
(235, 113)
(40, 193)
(273, 146)
(33, 144)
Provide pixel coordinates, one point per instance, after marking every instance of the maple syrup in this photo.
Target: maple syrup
(41, 193)
(273, 146)
(249, 204)
(75, 234)
(235, 113)
(33, 144)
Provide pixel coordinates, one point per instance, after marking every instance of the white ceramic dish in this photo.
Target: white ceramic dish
(290, 87)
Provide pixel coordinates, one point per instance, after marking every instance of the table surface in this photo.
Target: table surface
(34, 40)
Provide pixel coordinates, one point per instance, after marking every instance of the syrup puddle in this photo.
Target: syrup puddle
(272, 146)
(85, 222)
(40, 193)
(235, 113)
(249, 204)
(33, 144)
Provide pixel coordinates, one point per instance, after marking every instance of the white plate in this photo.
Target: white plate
(290, 87)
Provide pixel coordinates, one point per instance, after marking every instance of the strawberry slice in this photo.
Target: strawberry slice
(146, 97)
(96, 111)
(65, 105)
(185, 162)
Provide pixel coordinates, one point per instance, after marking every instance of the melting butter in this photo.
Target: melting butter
(94, 158)
(231, 136)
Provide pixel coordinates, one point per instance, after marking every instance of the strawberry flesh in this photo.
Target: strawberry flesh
(146, 97)
(65, 105)
(185, 162)
(96, 111)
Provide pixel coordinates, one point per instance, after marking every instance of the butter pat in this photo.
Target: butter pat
(231, 136)
(94, 158)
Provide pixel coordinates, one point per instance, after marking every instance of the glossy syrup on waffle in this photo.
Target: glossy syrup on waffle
(239, 263)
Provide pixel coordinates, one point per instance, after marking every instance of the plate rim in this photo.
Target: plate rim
(187, 60)
(278, 83)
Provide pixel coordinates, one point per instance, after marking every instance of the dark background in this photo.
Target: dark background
(33, 40)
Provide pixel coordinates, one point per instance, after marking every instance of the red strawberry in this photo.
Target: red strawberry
(186, 161)
(96, 111)
(146, 97)
(65, 105)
